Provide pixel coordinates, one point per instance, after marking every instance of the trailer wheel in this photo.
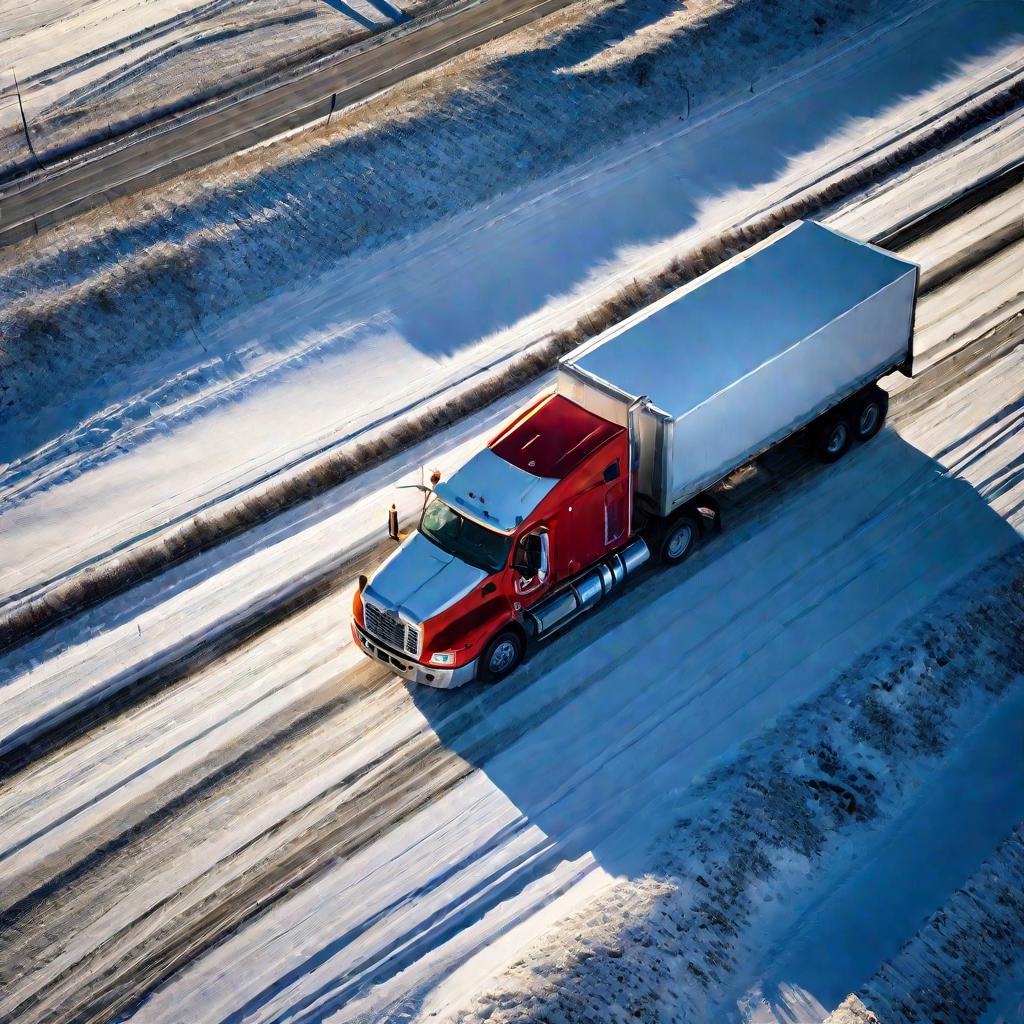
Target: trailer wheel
(501, 655)
(832, 437)
(679, 540)
(867, 412)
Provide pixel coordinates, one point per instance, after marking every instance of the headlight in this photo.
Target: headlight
(445, 658)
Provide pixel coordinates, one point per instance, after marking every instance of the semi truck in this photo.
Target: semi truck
(617, 464)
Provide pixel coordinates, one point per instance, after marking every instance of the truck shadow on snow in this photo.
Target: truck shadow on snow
(592, 744)
(587, 751)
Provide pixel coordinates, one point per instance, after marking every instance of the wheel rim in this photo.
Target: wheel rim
(502, 656)
(869, 418)
(680, 540)
(837, 439)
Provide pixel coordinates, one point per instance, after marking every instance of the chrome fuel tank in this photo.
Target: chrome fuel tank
(587, 590)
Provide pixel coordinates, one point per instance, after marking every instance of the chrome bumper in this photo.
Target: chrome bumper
(427, 675)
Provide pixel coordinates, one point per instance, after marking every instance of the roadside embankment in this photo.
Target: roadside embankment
(27, 614)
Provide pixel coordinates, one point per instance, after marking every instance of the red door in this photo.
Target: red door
(594, 523)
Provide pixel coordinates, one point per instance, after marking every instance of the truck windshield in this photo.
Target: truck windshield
(461, 537)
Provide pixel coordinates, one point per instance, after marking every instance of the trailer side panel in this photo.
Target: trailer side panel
(735, 361)
(787, 392)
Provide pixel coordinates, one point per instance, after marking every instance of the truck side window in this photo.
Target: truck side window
(527, 584)
(614, 513)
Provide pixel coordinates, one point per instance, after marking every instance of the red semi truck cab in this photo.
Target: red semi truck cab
(549, 497)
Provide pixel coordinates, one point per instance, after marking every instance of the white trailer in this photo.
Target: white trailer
(793, 332)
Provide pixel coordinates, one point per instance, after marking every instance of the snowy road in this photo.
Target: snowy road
(548, 812)
(229, 815)
(86, 71)
(165, 144)
(397, 835)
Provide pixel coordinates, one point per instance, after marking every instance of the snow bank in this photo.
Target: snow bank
(959, 956)
(215, 524)
(761, 828)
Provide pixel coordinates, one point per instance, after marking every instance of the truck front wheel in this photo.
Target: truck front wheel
(501, 656)
(679, 540)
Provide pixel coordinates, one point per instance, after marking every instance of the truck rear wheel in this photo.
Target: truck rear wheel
(832, 436)
(679, 540)
(501, 656)
(867, 412)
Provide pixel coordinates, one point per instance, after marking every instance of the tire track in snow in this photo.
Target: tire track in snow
(970, 359)
(141, 966)
(216, 646)
(400, 770)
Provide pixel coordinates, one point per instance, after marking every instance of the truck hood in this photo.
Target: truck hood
(420, 580)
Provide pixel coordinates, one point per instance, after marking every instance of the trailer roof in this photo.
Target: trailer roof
(699, 340)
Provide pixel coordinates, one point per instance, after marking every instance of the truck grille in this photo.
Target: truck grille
(398, 635)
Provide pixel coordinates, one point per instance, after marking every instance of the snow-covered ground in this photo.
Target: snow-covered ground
(275, 383)
(683, 808)
(965, 947)
(83, 67)
(439, 833)
(1008, 1002)
(794, 872)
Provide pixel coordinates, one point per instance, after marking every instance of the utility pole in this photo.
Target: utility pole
(24, 122)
